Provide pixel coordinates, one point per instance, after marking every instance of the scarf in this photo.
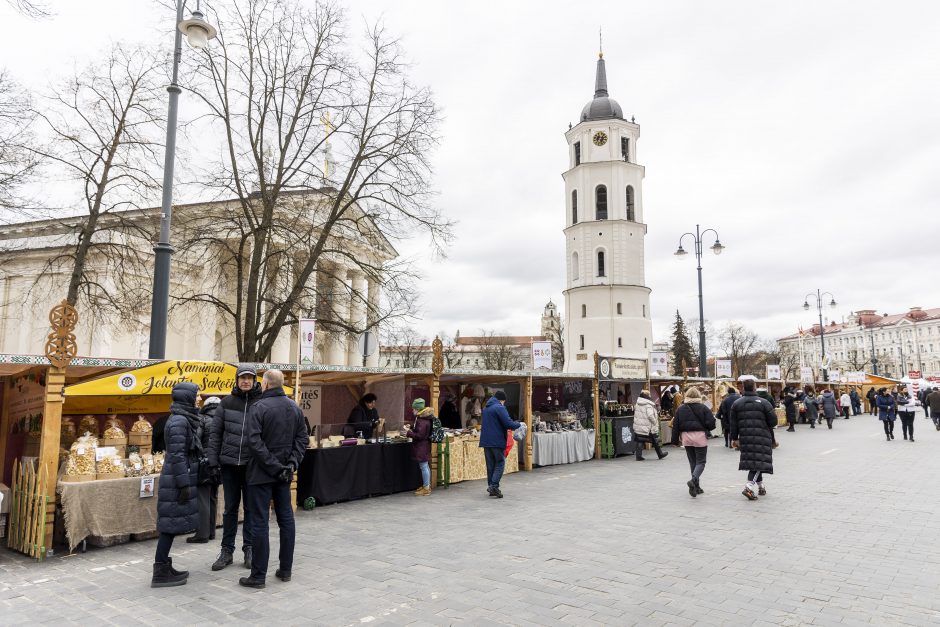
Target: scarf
(195, 426)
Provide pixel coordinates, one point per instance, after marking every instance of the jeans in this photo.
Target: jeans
(495, 462)
(889, 427)
(696, 455)
(259, 496)
(164, 542)
(425, 474)
(207, 499)
(936, 418)
(907, 425)
(235, 490)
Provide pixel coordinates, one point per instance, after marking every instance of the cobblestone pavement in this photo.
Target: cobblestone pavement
(846, 535)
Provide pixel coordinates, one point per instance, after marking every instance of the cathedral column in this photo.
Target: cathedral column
(372, 312)
(340, 313)
(357, 315)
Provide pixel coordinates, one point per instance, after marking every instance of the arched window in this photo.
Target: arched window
(600, 202)
(575, 272)
(631, 211)
(619, 309)
(574, 207)
(601, 270)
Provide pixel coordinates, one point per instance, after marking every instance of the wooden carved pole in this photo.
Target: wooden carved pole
(527, 418)
(434, 390)
(61, 347)
(596, 393)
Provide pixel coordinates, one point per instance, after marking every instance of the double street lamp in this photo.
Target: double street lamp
(198, 33)
(716, 248)
(822, 331)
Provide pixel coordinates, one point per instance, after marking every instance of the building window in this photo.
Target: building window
(577, 153)
(619, 342)
(619, 309)
(575, 273)
(644, 311)
(646, 342)
(582, 342)
(552, 324)
(631, 212)
(600, 202)
(625, 148)
(584, 311)
(574, 207)
(601, 270)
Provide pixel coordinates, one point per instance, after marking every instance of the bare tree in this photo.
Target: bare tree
(770, 352)
(857, 359)
(558, 346)
(101, 130)
(499, 352)
(738, 343)
(18, 161)
(407, 344)
(30, 8)
(326, 154)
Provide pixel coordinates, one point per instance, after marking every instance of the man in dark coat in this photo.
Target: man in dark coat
(870, 395)
(493, 436)
(277, 437)
(449, 415)
(666, 400)
(363, 417)
(228, 451)
(790, 408)
(209, 478)
(177, 511)
(752, 432)
(724, 413)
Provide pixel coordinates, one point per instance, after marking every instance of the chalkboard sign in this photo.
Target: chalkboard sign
(578, 401)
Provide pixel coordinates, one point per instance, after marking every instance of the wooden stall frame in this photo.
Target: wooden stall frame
(596, 393)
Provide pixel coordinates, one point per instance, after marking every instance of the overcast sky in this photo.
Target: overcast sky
(806, 133)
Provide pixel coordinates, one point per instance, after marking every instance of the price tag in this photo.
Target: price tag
(137, 466)
(81, 450)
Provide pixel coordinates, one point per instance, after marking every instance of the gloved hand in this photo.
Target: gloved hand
(183, 495)
(286, 473)
(215, 475)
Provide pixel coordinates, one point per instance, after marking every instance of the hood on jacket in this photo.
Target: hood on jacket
(253, 392)
(492, 401)
(427, 412)
(644, 401)
(185, 393)
(828, 392)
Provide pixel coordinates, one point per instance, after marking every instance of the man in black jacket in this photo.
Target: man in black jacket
(228, 451)
(277, 437)
(724, 414)
(752, 432)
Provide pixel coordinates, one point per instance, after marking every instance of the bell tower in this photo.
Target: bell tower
(607, 302)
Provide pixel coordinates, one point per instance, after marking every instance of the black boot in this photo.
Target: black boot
(163, 576)
(248, 557)
(224, 559)
(178, 573)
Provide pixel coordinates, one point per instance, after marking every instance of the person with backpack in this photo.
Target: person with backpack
(691, 425)
(496, 422)
(420, 434)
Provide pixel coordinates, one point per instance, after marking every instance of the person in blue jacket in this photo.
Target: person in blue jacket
(496, 422)
(887, 411)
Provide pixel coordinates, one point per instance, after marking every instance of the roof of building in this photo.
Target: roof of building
(602, 106)
(499, 340)
(873, 321)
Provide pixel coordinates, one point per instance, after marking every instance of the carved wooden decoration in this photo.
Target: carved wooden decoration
(61, 346)
(437, 361)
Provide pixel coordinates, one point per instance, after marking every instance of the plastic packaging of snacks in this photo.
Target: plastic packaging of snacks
(114, 432)
(148, 463)
(158, 462)
(89, 424)
(141, 426)
(110, 466)
(112, 421)
(80, 465)
(134, 465)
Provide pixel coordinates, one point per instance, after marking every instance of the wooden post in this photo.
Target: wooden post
(434, 388)
(527, 418)
(596, 393)
(5, 427)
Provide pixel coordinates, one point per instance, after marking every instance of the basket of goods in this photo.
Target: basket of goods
(80, 465)
(158, 462)
(109, 467)
(88, 424)
(141, 433)
(114, 436)
(134, 466)
(67, 432)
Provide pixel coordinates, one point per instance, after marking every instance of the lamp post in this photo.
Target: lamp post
(822, 331)
(874, 356)
(680, 253)
(198, 33)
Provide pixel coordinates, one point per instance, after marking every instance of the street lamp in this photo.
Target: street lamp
(198, 33)
(822, 331)
(716, 248)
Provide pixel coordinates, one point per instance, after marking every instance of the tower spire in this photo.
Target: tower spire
(600, 80)
(600, 47)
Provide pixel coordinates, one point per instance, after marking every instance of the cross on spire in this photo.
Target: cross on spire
(600, 36)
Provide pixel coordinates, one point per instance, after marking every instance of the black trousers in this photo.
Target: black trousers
(259, 497)
(652, 439)
(207, 499)
(235, 490)
(164, 542)
(907, 425)
(696, 455)
(889, 427)
(845, 412)
(755, 475)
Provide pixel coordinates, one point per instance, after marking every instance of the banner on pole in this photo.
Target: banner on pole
(307, 348)
(806, 374)
(722, 368)
(541, 355)
(659, 364)
(773, 372)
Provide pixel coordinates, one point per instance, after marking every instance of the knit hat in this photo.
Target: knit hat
(418, 404)
(212, 400)
(246, 369)
(499, 395)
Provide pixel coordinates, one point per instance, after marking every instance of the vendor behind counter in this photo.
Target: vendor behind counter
(364, 417)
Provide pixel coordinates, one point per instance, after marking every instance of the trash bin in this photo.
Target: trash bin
(623, 438)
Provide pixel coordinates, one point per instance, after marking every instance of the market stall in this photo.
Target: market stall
(620, 381)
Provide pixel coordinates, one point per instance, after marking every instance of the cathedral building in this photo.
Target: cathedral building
(607, 302)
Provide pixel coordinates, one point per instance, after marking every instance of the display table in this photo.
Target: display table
(467, 462)
(106, 508)
(563, 447)
(344, 473)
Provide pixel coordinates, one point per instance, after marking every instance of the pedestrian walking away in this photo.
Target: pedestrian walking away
(278, 437)
(829, 406)
(811, 403)
(845, 404)
(229, 452)
(856, 402)
(907, 409)
(646, 425)
(691, 425)
(872, 407)
(420, 434)
(933, 401)
(724, 414)
(789, 407)
(887, 408)
(752, 433)
(208, 477)
(496, 422)
(177, 511)
(922, 397)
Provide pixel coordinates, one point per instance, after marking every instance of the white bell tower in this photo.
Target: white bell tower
(607, 303)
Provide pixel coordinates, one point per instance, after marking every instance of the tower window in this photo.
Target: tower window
(619, 309)
(644, 311)
(584, 311)
(601, 270)
(582, 342)
(577, 153)
(600, 202)
(631, 212)
(625, 148)
(575, 273)
(574, 207)
(619, 342)
(645, 342)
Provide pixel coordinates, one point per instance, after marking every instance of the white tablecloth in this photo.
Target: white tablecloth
(563, 447)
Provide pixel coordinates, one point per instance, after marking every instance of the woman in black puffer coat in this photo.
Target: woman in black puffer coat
(177, 511)
(752, 432)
